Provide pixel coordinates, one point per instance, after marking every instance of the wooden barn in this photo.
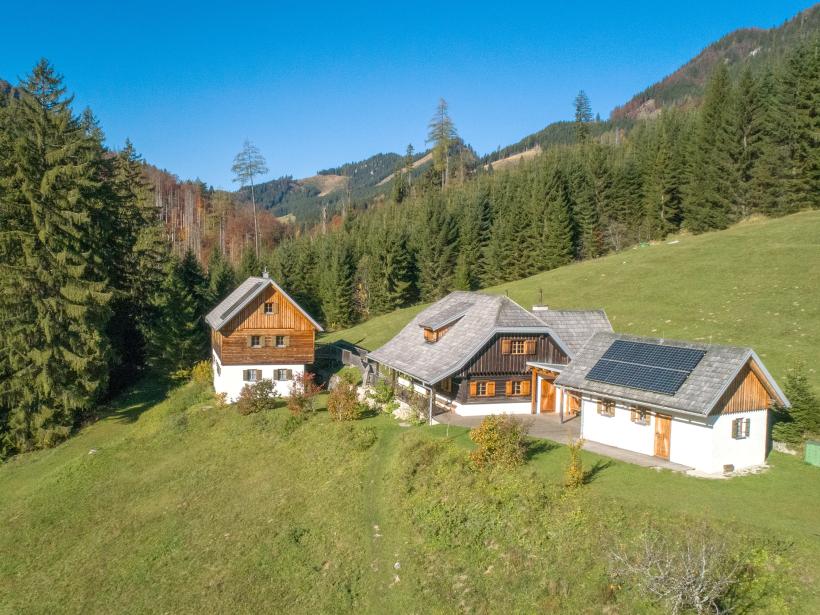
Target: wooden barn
(257, 332)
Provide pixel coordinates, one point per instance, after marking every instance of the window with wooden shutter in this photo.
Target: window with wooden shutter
(287, 341)
(529, 347)
(279, 341)
(740, 428)
(605, 407)
(639, 416)
(508, 388)
(490, 389)
(518, 346)
(525, 387)
(506, 346)
(288, 374)
(473, 388)
(256, 341)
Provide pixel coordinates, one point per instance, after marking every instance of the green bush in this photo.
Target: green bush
(361, 438)
(257, 397)
(202, 373)
(500, 442)
(574, 475)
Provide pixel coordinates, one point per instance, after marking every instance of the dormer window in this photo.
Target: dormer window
(433, 335)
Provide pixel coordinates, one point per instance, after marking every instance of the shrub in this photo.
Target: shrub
(698, 571)
(382, 392)
(793, 425)
(361, 438)
(574, 475)
(500, 440)
(257, 397)
(343, 402)
(202, 373)
(303, 394)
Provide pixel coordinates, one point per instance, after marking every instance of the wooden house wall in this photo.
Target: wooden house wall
(746, 392)
(286, 320)
(492, 364)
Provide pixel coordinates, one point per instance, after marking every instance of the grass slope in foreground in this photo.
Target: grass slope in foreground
(756, 284)
(186, 507)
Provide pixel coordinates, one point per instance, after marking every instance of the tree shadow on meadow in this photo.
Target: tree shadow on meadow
(537, 446)
(598, 467)
(128, 406)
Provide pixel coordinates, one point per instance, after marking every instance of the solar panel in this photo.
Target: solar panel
(648, 367)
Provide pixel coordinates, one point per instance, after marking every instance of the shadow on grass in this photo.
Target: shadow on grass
(537, 446)
(599, 466)
(127, 407)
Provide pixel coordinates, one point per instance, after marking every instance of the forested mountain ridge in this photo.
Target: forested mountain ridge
(753, 48)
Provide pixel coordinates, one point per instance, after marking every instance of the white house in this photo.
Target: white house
(259, 332)
(700, 405)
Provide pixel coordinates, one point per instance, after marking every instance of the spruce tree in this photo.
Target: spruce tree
(794, 424)
(437, 235)
(559, 231)
(53, 288)
(176, 337)
(711, 204)
(338, 283)
(221, 277)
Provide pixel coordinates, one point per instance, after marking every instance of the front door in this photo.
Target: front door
(547, 396)
(663, 431)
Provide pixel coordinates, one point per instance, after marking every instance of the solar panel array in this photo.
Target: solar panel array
(648, 367)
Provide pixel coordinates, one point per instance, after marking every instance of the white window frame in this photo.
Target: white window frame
(268, 312)
(741, 428)
(249, 375)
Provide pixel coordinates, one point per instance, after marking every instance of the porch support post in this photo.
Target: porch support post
(561, 405)
(430, 409)
(533, 391)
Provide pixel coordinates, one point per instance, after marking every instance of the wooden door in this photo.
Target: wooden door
(573, 405)
(663, 435)
(547, 396)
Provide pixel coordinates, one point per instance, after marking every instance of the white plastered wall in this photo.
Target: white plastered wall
(512, 407)
(228, 378)
(743, 453)
(618, 430)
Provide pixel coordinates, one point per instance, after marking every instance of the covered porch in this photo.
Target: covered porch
(548, 399)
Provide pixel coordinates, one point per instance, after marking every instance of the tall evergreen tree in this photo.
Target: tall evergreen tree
(221, 277)
(559, 232)
(437, 236)
(583, 116)
(714, 191)
(442, 134)
(53, 288)
(338, 284)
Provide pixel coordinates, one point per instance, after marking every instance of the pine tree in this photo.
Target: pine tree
(53, 290)
(221, 278)
(442, 134)
(583, 116)
(337, 288)
(559, 233)
(437, 235)
(176, 338)
(802, 419)
(714, 191)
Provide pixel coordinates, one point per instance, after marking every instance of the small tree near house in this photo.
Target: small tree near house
(257, 397)
(793, 425)
(500, 442)
(574, 475)
(343, 402)
(303, 394)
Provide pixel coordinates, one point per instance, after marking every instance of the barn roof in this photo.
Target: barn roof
(242, 295)
(698, 394)
(474, 319)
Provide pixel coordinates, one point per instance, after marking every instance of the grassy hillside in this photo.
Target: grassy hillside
(756, 284)
(185, 507)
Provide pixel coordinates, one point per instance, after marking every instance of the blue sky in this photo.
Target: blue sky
(315, 85)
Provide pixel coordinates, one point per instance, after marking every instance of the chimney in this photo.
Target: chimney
(265, 273)
(540, 308)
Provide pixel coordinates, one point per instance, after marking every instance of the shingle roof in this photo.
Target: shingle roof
(574, 327)
(697, 395)
(242, 295)
(479, 317)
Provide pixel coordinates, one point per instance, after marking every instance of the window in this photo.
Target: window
(447, 385)
(283, 374)
(606, 407)
(639, 416)
(281, 341)
(518, 347)
(251, 375)
(269, 309)
(740, 429)
(482, 388)
(256, 341)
